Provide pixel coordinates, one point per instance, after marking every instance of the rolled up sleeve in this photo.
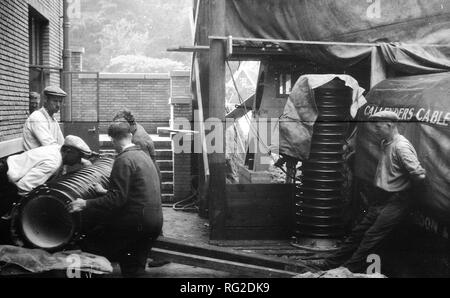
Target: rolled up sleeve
(408, 157)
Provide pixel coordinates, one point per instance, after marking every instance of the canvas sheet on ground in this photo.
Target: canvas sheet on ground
(422, 102)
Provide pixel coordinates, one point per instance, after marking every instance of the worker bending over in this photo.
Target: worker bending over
(37, 166)
(128, 218)
(20, 174)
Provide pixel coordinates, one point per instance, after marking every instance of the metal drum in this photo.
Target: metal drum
(41, 220)
(318, 208)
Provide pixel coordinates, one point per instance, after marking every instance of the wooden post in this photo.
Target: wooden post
(216, 107)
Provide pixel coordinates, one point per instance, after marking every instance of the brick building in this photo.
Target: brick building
(31, 49)
(156, 100)
(31, 41)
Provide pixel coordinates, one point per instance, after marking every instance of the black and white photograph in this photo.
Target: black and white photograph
(224, 145)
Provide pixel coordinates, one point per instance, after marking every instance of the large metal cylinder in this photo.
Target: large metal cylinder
(319, 200)
(41, 219)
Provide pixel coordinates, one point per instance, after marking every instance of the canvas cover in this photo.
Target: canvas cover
(394, 22)
(295, 127)
(403, 21)
(423, 104)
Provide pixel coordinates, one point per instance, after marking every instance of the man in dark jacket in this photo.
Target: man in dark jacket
(132, 203)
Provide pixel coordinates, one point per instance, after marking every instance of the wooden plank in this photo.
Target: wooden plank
(257, 233)
(260, 188)
(280, 252)
(262, 209)
(203, 160)
(249, 243)
(217, 110)
(260, 218)
(228, 254)
(241, 269)
(241, 110)
(267, 247)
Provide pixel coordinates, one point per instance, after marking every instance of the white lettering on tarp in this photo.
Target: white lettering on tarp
(431, 225)
(440, 118)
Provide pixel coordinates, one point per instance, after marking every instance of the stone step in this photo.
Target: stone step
(167, 188)
(167, 198)
(167, 176)
(165, 165)
(163, 145)
(164, 154)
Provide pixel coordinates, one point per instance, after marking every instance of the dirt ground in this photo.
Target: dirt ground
(185, 226)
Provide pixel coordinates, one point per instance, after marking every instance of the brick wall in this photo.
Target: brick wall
(14, 58)
(146, 95)
(181, 107)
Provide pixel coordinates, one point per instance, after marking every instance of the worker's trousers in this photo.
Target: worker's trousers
(8, 196)
(381, 218)
(126, 239)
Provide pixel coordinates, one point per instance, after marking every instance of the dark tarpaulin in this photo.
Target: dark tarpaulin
(423, 103)
(405, 21)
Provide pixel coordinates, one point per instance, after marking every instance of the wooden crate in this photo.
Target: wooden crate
(247, 176)
(258, 212)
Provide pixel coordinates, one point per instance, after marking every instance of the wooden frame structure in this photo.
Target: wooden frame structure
(212, 50)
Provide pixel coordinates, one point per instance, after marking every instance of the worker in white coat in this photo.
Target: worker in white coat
(37, 166)
(42, 128)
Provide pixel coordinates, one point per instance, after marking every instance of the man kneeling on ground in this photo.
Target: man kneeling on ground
(128, 218)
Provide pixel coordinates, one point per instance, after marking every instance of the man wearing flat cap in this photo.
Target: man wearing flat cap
(398, 168)
(42, 128)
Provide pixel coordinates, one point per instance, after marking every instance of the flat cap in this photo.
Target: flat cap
(55, 91)
(385, 115)
(77, 143)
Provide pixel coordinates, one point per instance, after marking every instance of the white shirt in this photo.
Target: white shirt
(41, 130)
(34, 167)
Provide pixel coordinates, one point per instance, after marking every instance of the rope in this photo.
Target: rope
(190, 203)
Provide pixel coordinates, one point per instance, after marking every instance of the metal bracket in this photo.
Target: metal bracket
(229, 52)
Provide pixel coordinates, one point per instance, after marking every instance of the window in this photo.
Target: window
(284, 83)
(38, 43)
(36, 30)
